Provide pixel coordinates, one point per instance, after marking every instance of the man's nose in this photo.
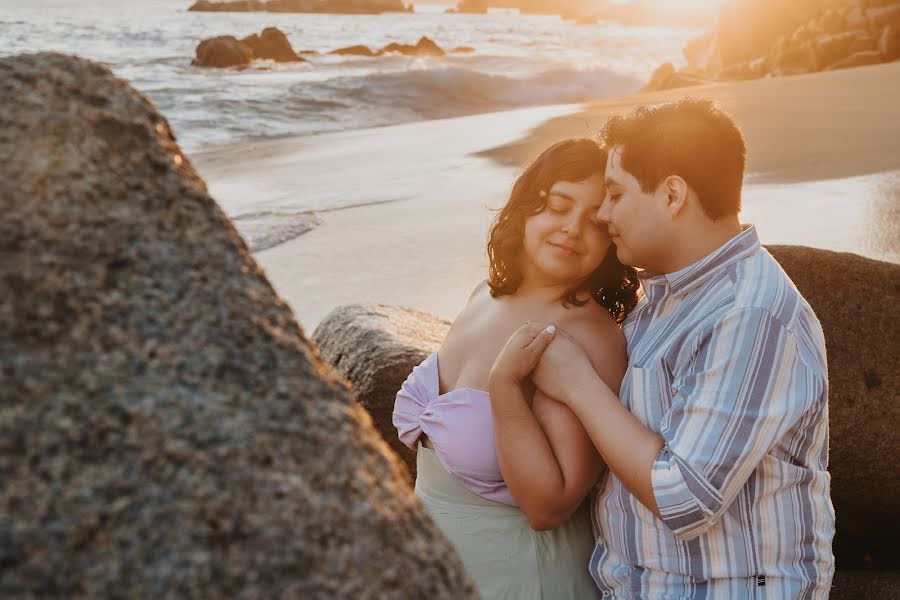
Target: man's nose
(603, 213)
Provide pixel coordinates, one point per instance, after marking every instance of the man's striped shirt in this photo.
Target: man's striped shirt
(727, 363)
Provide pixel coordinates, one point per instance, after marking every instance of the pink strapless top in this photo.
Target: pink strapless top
(459, 425)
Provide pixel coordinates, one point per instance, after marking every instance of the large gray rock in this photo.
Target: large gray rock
(166, 430)
(857, 301)
(865, 584)
(376, 347)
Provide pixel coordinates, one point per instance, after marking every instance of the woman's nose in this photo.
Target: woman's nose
(572, 226)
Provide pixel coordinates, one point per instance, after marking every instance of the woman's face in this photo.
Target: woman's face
(565, 242)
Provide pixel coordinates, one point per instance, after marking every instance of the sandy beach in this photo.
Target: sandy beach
(824, 171)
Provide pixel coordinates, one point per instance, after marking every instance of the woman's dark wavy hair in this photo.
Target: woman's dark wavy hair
(612, 285)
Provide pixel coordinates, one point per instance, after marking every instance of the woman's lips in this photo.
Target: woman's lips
(567, 249)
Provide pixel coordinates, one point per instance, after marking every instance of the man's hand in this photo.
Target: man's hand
(562, 366)
(520, 355)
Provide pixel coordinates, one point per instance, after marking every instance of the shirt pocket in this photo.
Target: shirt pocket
(647, 392)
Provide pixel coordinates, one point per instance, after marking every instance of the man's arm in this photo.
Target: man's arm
(629, 448)
(747, 386)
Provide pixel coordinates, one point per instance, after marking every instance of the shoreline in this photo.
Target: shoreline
(854, 112)
(408, 206)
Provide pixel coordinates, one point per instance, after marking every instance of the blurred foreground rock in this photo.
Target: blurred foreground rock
(166, 430)
(375, 347)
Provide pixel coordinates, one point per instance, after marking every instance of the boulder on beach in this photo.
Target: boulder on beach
(166, 429)
(272, 44)
(769, 38)
(889, 43)
(748, 28)
(752, 69)
(834, 48)
(667, 78)
(857, 301)
(221, 52)
(884, 16)
(375, 348)
(860, 59)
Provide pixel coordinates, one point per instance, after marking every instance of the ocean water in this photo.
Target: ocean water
(519, 61)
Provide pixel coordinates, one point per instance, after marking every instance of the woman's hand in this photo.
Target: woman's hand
(520, 355)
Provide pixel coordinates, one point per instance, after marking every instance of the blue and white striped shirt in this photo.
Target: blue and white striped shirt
(727, 363)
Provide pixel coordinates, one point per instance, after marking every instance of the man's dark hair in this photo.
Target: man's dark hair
(692, 138)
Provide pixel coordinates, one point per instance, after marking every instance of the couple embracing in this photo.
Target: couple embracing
(634, 404)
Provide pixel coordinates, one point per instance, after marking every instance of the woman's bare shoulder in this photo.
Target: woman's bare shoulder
(480, 290)
(597, 332)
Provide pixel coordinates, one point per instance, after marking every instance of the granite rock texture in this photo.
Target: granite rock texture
(857, 301)
(166, 429)
(376, 347)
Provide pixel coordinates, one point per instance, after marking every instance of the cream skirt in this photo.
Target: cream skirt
(502, 554)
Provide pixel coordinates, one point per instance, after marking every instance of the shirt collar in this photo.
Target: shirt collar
(735, 249)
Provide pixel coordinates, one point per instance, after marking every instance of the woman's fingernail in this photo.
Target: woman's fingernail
(551, 329)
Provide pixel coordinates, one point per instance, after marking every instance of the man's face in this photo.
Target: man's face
(637, 220)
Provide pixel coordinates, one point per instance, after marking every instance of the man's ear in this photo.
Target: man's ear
(676, 194)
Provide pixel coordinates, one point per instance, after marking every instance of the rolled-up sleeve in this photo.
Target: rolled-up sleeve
(747, 385)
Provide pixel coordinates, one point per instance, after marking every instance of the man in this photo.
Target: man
(717, 446)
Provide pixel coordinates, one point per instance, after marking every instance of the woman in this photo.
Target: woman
(514, 508)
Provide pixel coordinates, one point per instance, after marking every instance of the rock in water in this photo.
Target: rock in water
(857, 301)
(223, 51)
(166, 430)
(376, 347)
(272, 44)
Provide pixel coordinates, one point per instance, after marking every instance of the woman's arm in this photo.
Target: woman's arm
(546, 457)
